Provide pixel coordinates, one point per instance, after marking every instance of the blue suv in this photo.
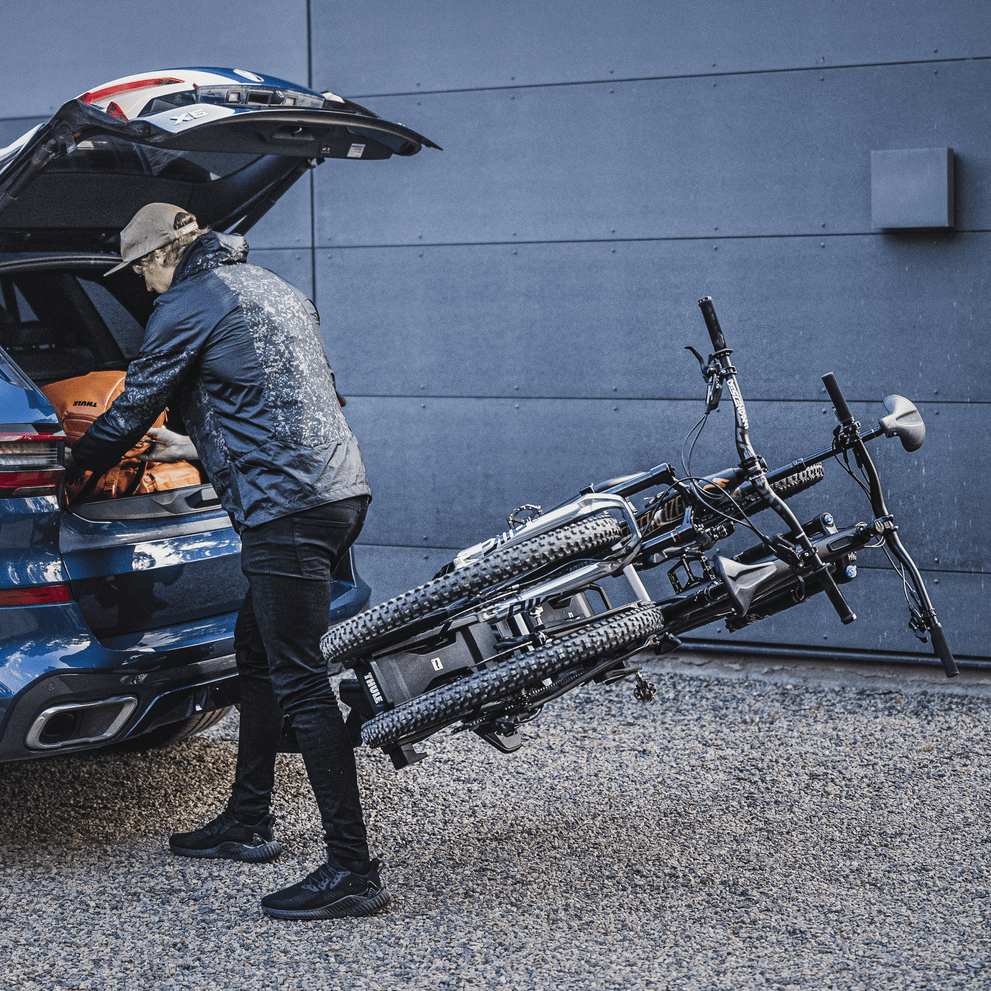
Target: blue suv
(117, 615)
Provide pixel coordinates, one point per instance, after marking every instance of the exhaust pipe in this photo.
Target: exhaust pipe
(74, 723)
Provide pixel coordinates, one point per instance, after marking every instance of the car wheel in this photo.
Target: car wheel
(165, 736)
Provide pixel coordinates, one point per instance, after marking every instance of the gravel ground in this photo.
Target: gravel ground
(747, 829)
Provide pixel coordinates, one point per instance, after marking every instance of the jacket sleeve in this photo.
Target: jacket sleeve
(154, 378)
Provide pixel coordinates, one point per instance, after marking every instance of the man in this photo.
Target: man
(238, 352)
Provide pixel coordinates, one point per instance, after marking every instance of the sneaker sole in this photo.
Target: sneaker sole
(351, 906)
(260, 854)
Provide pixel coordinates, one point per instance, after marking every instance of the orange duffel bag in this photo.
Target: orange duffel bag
(78, 402)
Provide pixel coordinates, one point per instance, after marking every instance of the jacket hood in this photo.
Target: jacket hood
(209, 251)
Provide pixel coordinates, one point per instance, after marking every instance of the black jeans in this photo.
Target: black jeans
(289, 563)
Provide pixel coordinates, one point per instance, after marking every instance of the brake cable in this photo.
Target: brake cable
(695, 481)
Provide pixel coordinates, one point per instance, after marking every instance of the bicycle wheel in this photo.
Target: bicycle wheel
(355, 634)
(436, 709)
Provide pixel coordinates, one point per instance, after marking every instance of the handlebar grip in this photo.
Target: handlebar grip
(843, 413)
(942, 649)
(712, 324)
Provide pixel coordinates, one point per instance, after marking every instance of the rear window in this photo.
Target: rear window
(15, 307)
(111, 156)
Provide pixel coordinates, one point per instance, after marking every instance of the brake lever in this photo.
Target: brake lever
(711, 372)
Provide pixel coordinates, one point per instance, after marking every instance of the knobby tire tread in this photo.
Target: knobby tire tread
(799, 481)
(347, 638)
(460, 698)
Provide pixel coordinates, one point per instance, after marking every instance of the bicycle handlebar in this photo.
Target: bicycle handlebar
(712, 324)
(855, 442)
(843, 413)
(807, 556)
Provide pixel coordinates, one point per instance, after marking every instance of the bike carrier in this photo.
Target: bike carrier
(487, 656)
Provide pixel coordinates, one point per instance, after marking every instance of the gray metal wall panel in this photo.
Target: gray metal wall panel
(381, 46)
(12, 128)
(904, 315)
(609, 123)
(447, 472)
(289, 223)
(390, 571)
(292, 265)
(751, 154)
(52, 50)
(452, 470)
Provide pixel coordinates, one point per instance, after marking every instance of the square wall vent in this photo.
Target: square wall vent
(912, 187)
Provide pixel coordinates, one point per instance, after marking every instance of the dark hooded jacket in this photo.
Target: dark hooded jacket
(239, 353)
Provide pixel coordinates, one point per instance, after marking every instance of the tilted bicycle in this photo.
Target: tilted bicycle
(518, 620)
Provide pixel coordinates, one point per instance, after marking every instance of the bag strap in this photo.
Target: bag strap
(138, 475)
(86, 490)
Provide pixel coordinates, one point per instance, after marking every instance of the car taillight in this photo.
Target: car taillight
(99, 95)
(29, 465)
(35, 595)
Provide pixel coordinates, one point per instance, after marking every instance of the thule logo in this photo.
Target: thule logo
(374, 689)
(84, 402)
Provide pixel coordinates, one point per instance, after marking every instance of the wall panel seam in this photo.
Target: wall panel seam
(688, 238)
(672, 77)
(613, 398)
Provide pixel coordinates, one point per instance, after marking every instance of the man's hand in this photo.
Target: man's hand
(72, 471)
(168, 446)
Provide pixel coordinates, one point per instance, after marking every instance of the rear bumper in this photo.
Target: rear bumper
(89, 693)
(61, 691)
(160, 697)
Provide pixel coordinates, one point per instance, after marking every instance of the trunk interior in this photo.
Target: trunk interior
(144, 553)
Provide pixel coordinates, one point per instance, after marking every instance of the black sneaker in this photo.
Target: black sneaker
(330, 892)
(227, 838)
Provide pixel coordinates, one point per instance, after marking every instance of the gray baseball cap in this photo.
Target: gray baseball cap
(153, 226)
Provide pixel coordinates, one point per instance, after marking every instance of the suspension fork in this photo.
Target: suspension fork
(721, 370)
